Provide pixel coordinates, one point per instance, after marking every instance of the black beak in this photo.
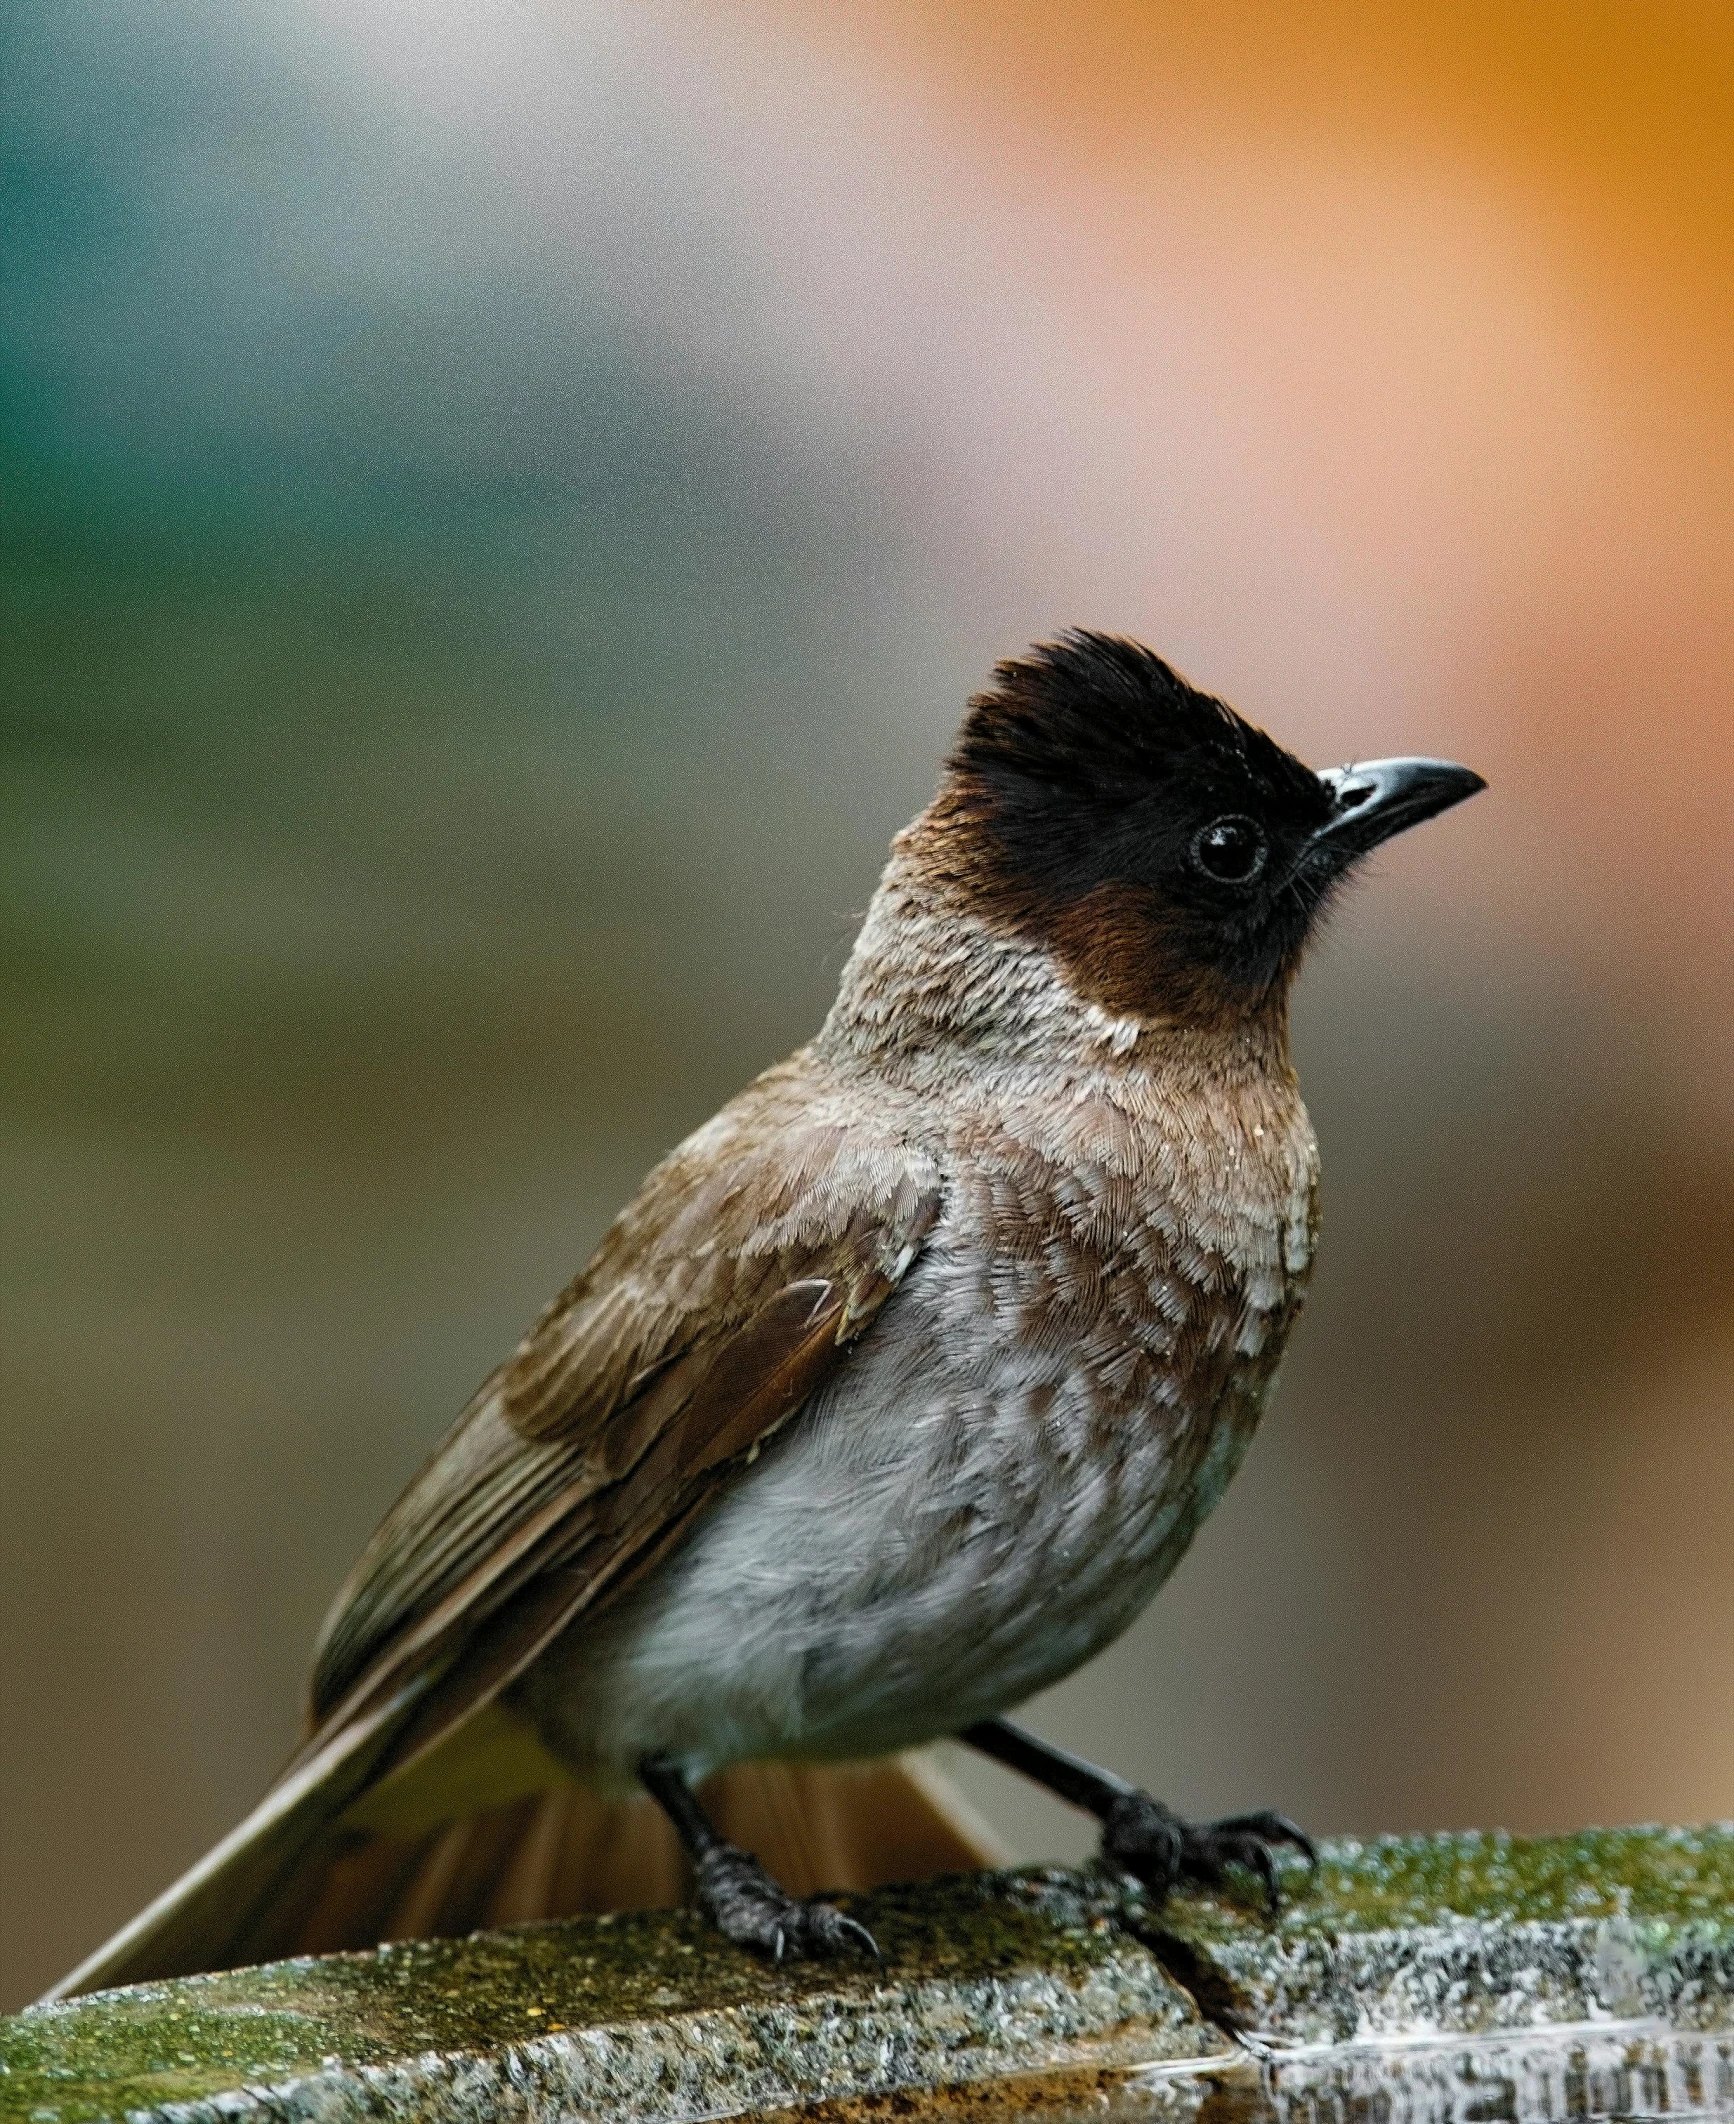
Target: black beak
(1377, 798)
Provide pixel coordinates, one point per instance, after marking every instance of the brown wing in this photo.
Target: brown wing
(717, 1303)
(720, 1299)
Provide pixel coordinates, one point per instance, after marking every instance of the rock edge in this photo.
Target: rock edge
(647, 2019)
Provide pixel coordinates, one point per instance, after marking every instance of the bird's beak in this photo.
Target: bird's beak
(1374, 799)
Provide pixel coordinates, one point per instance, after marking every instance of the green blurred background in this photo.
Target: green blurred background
(504, 506)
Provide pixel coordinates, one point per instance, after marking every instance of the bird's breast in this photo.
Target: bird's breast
(1148, 1241)
(1007, 1466)
(1061, 1391)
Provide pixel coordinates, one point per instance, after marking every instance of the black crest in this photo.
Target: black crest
(1099, 717)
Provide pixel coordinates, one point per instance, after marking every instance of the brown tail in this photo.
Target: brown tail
(296, 1878)
(564, 1853)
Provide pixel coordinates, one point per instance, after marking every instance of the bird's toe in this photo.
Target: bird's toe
(748, 1907)
(1145, 1839)
(1155, 1845)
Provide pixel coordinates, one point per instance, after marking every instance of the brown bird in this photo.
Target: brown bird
(893, 1396)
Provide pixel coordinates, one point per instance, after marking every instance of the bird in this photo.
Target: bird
(892, 1397)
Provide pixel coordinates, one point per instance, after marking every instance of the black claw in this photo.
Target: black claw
(747, 1906)
(1158, 1848)
(858, 1931)
(1255, 1856)
(1271, 1828)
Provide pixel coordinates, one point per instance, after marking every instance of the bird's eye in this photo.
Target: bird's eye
(1231, 850)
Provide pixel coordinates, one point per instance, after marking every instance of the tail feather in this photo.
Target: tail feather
(567, 1853)
(294, 1880)
(851, 1825)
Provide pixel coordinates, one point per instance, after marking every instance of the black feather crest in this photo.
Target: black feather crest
(1094, 712)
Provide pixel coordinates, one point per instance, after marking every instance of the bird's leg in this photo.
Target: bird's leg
(734, 1890)
(1139, 1834)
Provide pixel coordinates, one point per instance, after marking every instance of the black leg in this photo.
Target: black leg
(1077, 1782)
(734, 1890)
(1138, 1832)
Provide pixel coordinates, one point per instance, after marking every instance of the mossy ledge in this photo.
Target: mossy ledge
(985, 1977)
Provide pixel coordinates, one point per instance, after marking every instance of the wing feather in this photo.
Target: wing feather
(714, 1307)
(716, 1304)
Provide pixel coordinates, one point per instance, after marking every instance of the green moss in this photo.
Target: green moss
(1679, 1875)
(1471, 1934)
(154, 2043)
(957, 1953)
(1670, 1876)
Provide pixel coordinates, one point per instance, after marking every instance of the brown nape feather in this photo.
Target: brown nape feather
(566, 1853)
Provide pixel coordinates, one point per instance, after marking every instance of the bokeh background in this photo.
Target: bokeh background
(504, 507)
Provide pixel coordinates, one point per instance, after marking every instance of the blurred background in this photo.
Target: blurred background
(504, 508)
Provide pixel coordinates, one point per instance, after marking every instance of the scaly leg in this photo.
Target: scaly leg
(734, 1890)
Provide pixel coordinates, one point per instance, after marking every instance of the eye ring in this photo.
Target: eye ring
(1231, 850)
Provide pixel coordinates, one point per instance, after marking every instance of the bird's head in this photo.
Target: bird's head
(1171, 856)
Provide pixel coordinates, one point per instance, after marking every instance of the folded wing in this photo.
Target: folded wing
(722, 1297)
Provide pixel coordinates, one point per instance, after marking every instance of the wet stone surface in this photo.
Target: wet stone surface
(1036, 1993)
(1475, 1933)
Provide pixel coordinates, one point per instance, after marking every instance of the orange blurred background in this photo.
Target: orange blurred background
(507, 507)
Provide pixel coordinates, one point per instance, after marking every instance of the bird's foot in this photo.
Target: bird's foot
(746, 1906)
(1151, 1842)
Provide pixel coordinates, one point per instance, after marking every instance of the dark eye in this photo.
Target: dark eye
(1231, 850)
